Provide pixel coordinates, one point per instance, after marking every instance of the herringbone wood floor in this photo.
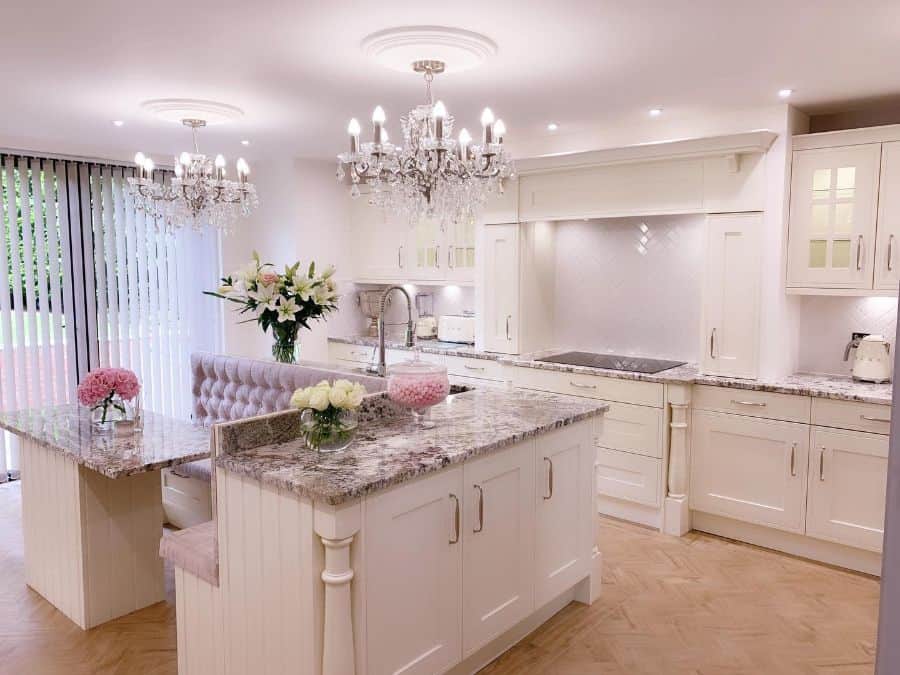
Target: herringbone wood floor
(699, 605)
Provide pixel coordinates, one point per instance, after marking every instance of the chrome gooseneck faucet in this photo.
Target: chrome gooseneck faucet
(381, 368)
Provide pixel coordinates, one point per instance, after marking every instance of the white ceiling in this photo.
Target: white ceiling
(68, 68)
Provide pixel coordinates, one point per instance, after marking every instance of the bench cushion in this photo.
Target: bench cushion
(194, 550)
(201, 470)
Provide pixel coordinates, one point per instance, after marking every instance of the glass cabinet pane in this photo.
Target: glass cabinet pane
(840, 253)
(818, 252)
(821, 183)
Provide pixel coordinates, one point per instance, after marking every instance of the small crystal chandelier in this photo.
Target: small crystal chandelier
(431, 175)
(198, 195)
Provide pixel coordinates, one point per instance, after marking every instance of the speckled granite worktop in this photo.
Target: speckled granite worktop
(67, 429)
(389, 449)
(424, 346)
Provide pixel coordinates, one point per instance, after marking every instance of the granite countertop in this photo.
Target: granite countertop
(424, 346)
(389, 448)
(165, 441)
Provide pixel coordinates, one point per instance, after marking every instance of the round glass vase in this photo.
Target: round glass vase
(329, 430)
(106, 415)
(418, 385)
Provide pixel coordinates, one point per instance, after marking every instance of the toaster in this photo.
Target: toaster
(456, 328)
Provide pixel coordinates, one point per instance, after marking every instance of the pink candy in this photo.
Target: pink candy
(418, 391)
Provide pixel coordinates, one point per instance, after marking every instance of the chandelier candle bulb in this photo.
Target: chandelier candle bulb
(487, 122)
(353, 130)
(179, 170)
(439, 113)
(378, 118)
(220, 167)
(148, 167)
(139, 159)
(464, 139)
(499, 130)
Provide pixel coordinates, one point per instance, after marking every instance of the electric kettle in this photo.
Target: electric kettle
(872, 362)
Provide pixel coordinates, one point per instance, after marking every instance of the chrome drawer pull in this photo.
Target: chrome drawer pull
(822, 464)
(549, 478)
(437, 257)
(582, 386)
(475, 368)
(712, 344)
(400, 256)
(859, 248)
(455, 539)
(890, 256)
(753, 403)
(874, 419)
(793, 453)
(508, 318)
(480, 510)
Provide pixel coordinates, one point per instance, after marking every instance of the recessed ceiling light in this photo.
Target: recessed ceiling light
(245, 142)
(655, 112)
(553, 126)
(785, 93)
(118, 123)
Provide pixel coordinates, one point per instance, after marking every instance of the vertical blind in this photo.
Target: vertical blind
(87, 280)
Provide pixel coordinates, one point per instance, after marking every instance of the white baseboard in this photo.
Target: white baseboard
(788, 542)
(633, 513)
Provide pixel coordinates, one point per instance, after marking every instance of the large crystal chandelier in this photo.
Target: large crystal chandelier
(198, 195)
(431, 175)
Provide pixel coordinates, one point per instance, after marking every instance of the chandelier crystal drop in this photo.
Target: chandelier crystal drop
(432, 175)
(198, 195)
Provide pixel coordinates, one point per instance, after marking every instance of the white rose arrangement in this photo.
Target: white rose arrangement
(327, 403)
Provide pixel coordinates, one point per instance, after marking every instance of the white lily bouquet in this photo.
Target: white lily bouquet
(329, 418)
(283, 302)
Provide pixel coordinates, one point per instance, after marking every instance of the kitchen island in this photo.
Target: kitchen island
(415, 551)
(92, 508)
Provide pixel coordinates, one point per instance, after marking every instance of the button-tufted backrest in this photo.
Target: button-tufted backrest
(227, 388)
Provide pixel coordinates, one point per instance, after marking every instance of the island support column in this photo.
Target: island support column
(337, 526)
(677, 513)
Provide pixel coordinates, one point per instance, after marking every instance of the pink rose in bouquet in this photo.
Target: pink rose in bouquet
(99, 386)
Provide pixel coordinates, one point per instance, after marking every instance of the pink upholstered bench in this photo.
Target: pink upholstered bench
(194, 550)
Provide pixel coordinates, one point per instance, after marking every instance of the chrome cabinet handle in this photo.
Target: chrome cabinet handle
(549, 478)
(480, 527)
(712, 344)
(450, 257)
(455, 539)
(475, 368)
(437, 257)
(874, 419)
(890, 260)
(859, 246)
(822, 464)
(793, 459)
(508, 319)
(400, 256)
(754, 403)
(583, 386)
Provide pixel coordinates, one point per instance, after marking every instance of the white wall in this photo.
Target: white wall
(303, 215)
(630, 285)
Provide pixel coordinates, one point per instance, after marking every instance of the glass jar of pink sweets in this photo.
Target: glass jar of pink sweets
(418, 385)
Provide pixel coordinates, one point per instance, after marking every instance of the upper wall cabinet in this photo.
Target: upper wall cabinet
(845, 213)
(834, 198)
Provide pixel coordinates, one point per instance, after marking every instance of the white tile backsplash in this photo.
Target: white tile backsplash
(630, 285)
(825, 324)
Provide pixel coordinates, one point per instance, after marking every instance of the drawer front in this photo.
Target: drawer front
(355, 353)
(631, 428)
(786, 407)
(632, 478)
(484, 369)
(870, 417)
(590, 386)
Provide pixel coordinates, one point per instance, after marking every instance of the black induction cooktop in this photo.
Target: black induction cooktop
(633, 364)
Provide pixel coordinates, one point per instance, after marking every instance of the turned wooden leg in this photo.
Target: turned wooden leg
(677, 515)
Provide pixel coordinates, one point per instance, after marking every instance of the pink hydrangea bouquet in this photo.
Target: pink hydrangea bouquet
(107, 388)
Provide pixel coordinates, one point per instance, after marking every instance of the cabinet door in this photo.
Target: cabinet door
(501, 288)
(426, 251)
(564, 509)
(831, 237)
(379, 243)
(460, 256)
(413, 567)
(750, 469)
(887, 263)
(498, 544)
(731, 295)
(847, 484)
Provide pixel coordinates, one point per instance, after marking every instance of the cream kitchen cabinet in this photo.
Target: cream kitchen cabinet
(887, 264)
(750, 469)
(731, 295)
(834, 197)
(501, 288)
(498, 544)
(459, 240)
(847, 487)
(380, 246)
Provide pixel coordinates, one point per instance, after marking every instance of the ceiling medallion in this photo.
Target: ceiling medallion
(198, 195)
(430, 175)
(459, 50)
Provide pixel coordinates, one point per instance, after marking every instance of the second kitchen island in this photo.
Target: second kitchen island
(415, 551)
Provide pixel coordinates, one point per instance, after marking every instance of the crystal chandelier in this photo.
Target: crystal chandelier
(430, 175)
(198, 195)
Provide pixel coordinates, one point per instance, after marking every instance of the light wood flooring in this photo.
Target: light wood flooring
(698, 604)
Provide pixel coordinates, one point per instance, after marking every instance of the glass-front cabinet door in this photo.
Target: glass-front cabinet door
(426, 251)
(834, 196)
(460, 256)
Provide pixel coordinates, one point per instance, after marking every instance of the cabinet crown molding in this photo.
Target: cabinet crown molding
(846, 137)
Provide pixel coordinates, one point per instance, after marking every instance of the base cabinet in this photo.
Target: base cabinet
(750, 469)
(847, 487)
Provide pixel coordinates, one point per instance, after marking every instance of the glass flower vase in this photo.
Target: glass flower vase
(285, 347)
(330, 430)
(108, 413)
